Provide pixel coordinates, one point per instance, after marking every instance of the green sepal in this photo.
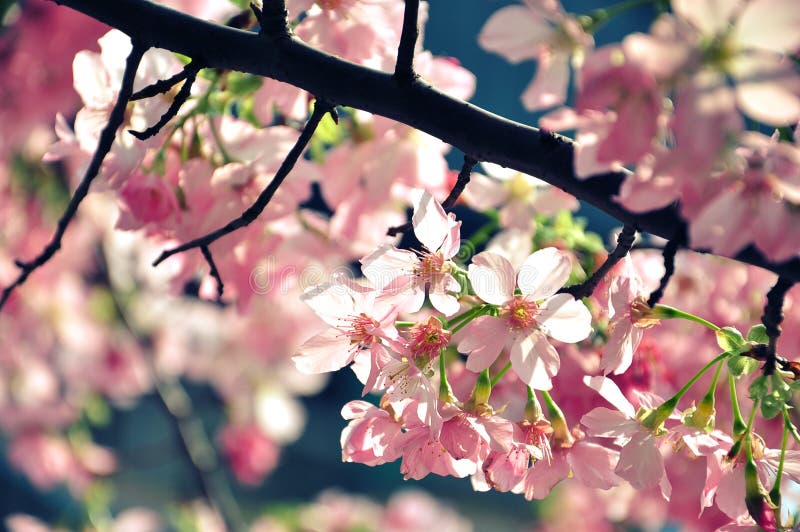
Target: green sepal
(731, 340)
(758, 334)
(739, 365)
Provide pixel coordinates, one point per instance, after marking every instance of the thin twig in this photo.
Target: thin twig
(461, 183)
(163, 85)
(624, 243)
(175, 106)
(772, 318)
(321, 107)
(214, 272)
(115, 119)
(404, 67)
(669, 266)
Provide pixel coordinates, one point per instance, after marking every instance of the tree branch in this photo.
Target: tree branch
(461, 183)
(404, 67)
(104, 143)
(624, 243)
(183, 94)
(213, 271)
(670, 250)
(484, 135)
(772, 318)
(163, 85)
(321, 107)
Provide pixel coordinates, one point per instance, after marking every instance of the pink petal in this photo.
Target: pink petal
(445, 303)
(492, 278)
(618, 352)
(611, 393)
(709, 16)
(535, 361)
(484, 338)
(543, 273)
(640, 461)
(607, 423)
(515, 32)
(769, 25)
(565, 319)
(325, 352)
(386, 263)
(543, 476)
(549, 87)
(431, 224)
(593, 465)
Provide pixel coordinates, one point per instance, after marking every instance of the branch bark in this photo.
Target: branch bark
(483, 135)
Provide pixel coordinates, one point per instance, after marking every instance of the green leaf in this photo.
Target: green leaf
(241, 84)
(771, 405)
(758, 334)
(740, 365)
(758, 388)
(730, 339)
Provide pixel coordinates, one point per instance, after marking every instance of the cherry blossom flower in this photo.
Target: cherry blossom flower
(358, 323)
(640, 461)
(525, 320)
(627, 310)
(249, 452)
(370, 437)
(519, 196)
(404, 276)
(539, 30)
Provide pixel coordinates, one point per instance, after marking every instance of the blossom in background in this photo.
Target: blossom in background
(524, 321)
(541, 30)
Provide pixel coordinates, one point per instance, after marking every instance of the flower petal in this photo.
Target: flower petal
(544, 272)
(431, 224)
(325, 352)
(565, 319)
(535, 361)
(492, 278)
(484, 338)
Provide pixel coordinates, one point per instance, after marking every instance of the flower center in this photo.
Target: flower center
(361, 329)
(428, 339)
(520, 313)
(430, 266)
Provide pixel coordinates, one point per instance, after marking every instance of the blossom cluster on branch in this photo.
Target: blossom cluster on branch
(214, 237)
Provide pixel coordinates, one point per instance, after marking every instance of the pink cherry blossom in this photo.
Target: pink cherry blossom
(524, 321)
(640, 461)
(539, 30)
(357, 323)
(370, 437)
(249, 452)
(404, 276)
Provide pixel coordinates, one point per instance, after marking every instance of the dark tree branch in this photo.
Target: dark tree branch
(461, 183)
(104, 143)
(274, 19)
(213, 271)
(163, 85)
(485, 136)
(624, 243)
(404, 67)
(321, 107)
(669, 252)
(183, 94)
(772, 318)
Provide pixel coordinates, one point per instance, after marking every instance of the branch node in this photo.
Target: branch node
(274, 19)
(404, 67)
(670, 250)
(625, 240)
(183, 94)
(461, 183)
(321, 107)
(213, 271)
(772, 318)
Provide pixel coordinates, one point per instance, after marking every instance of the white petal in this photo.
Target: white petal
(565, 319)
(431, 224)
(492, 278)
(535, 361)
(611, 393)
(543, 273)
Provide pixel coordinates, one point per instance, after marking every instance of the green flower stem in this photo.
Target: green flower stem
(667, 312)
(482, 235)
(775, 492)
(598, 17)
(664, 411)
(499, 374)
(738, 422)
(558, 421)
(787, 422)
(474, 313)
(226, 157)
(445, 391)
(533, 410)
(403, 324)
